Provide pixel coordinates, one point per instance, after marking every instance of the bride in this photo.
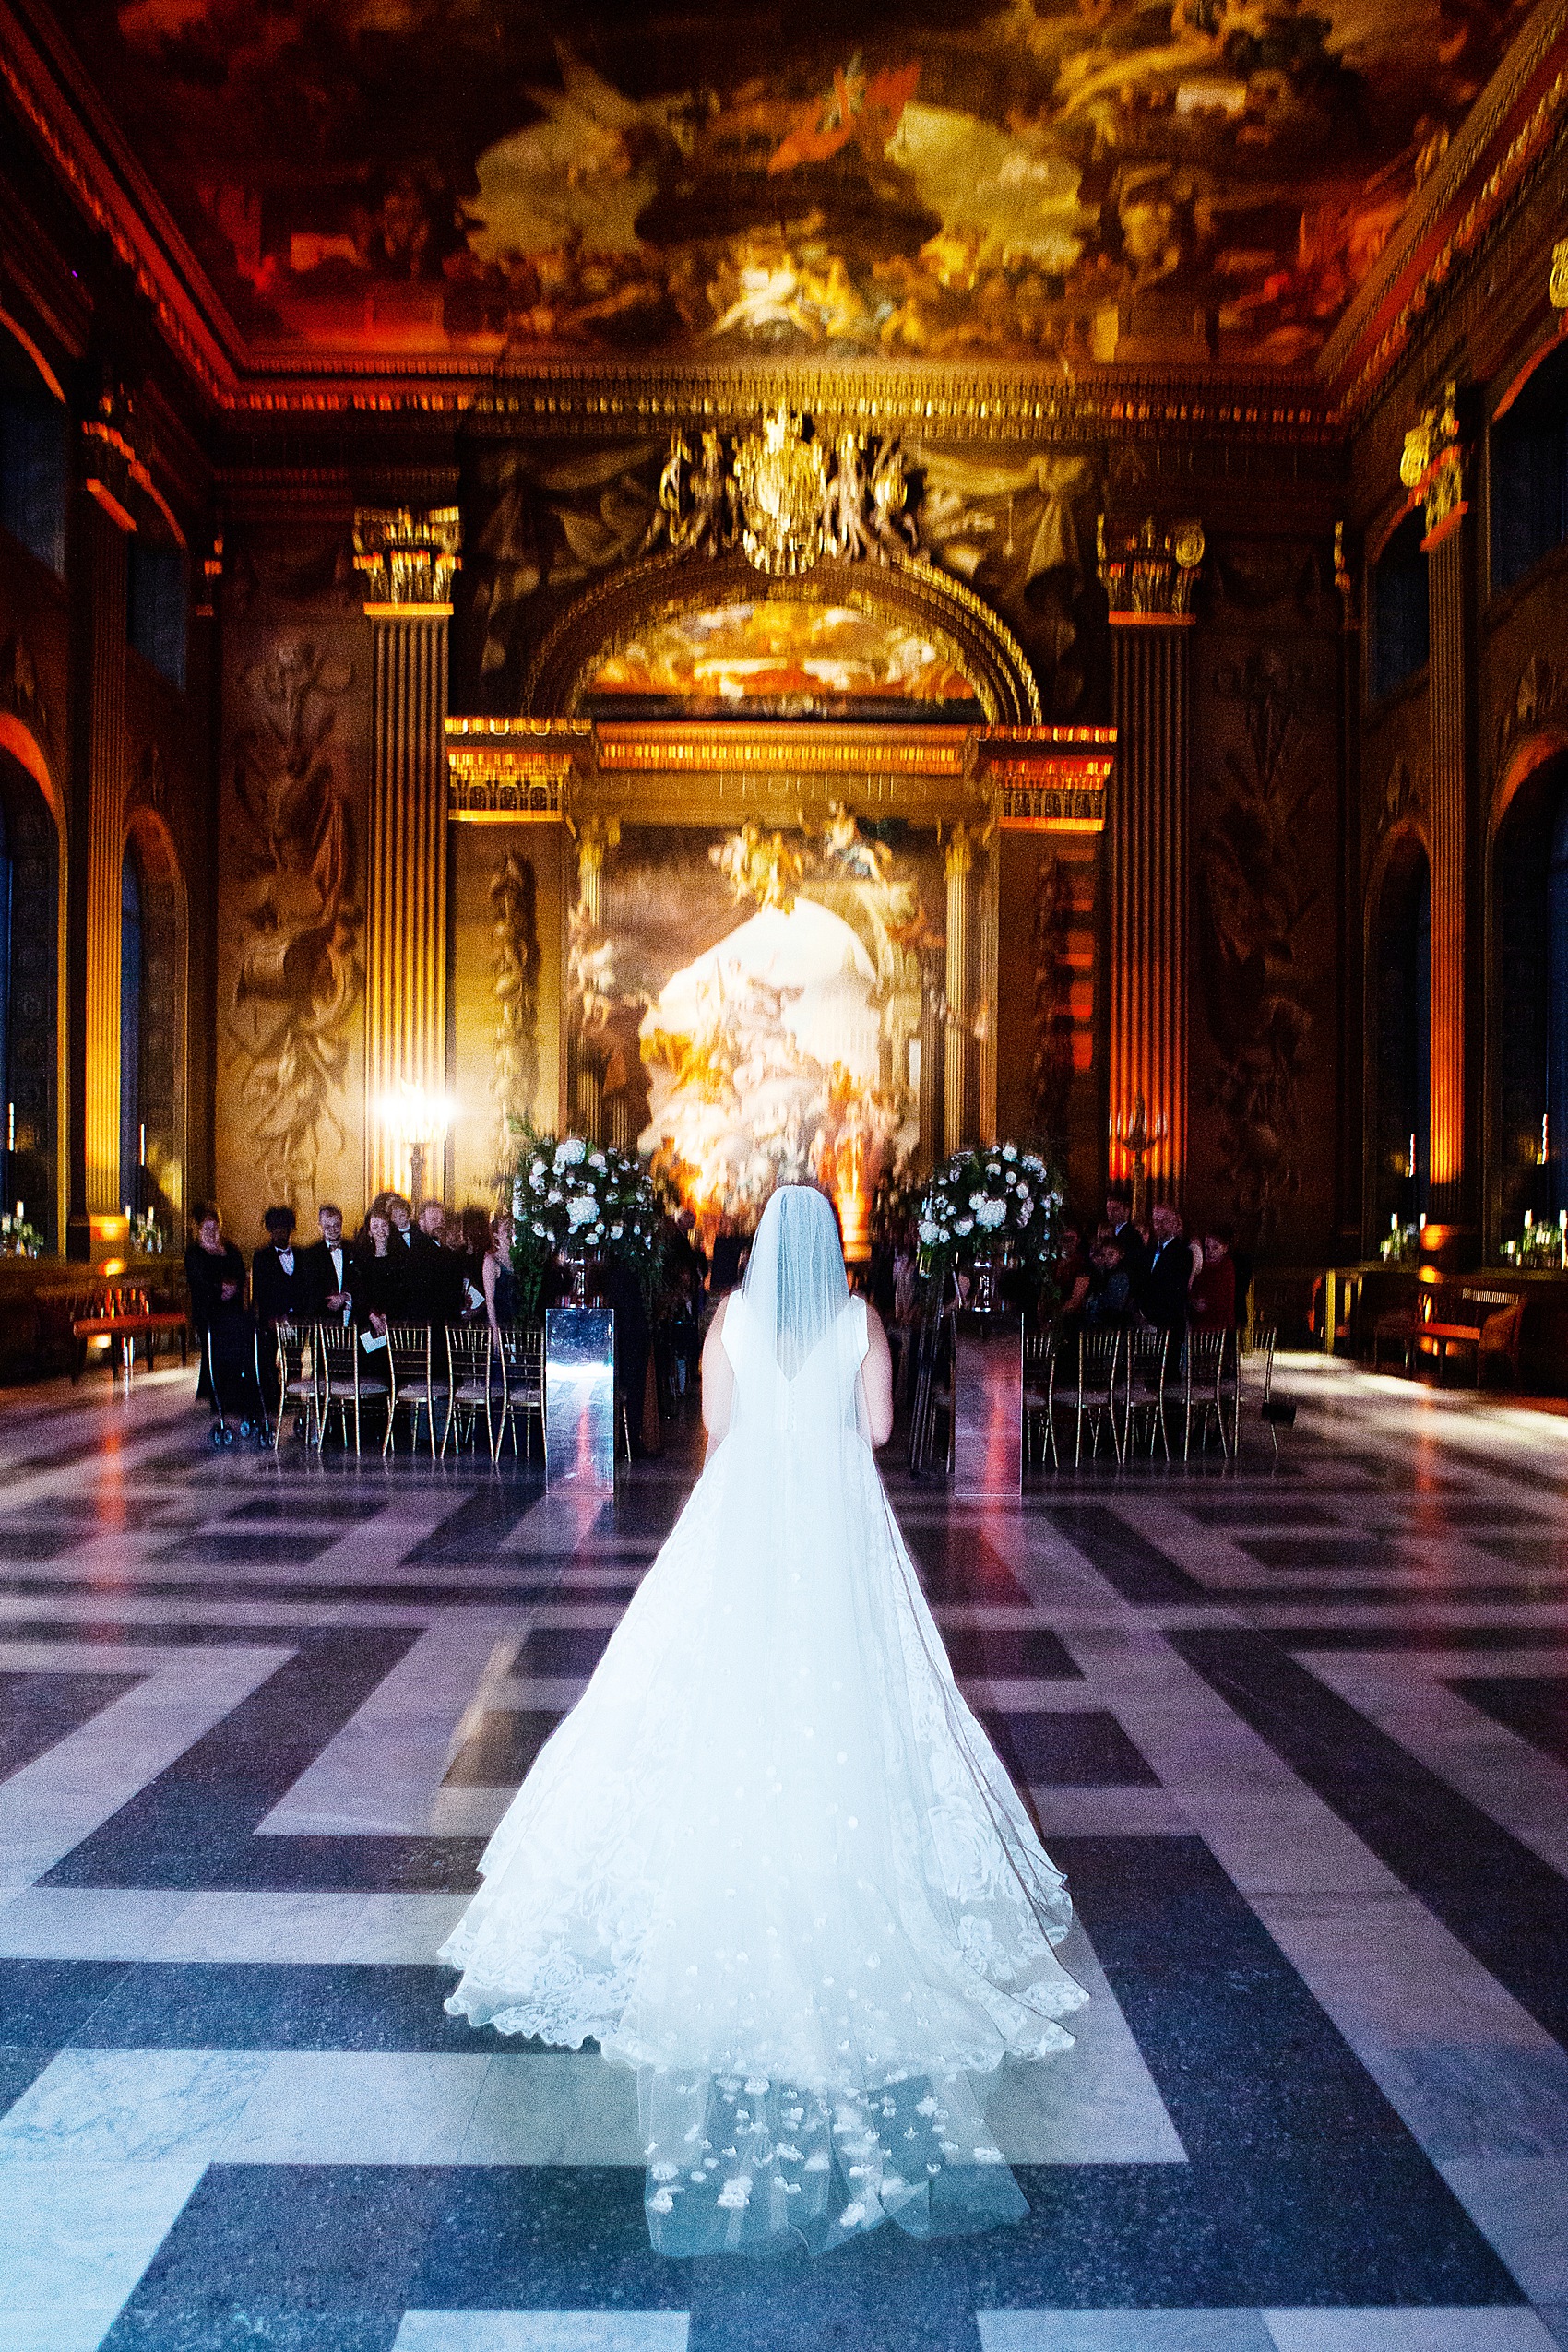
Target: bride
(770, 1859)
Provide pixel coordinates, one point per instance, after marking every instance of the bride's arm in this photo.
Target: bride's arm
(717, 1383)
(876, 1383)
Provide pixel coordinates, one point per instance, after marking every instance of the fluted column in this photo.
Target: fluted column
(1148, 1054)
(103, 860)
(931, 1092)
(958, 1048)
(1446, 703)
(408, 559)
(988, 946)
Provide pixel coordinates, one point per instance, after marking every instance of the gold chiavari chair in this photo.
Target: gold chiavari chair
(1039, 1398)
(471, 1369)
(415, 1388)
(521, 1352)
(1202, 1366)
(1100, 1363)
(1144, 1363)
(350, 1378)
(298, 1381)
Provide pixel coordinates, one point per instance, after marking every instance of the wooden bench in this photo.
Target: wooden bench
(123, 1317)
(1457, 1318)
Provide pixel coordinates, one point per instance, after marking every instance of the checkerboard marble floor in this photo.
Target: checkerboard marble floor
(1298, 1735)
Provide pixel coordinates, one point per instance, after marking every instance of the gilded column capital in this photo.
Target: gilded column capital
(1432, 462)
(1150, 574)
(409, 556)
(960, 848)
(595, 836)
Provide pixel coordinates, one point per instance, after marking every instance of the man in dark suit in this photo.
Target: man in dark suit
(327, 1267)
(444, 1270)
(279, 1285)
(1134, 1251)
(417, 1257)
(1162, 1293)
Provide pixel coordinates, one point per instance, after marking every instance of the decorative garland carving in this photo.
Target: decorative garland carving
(1404, 796)
(299, 921)
(515, 977)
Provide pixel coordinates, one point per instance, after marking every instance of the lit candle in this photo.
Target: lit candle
(1529, 1219)
(141, 1161)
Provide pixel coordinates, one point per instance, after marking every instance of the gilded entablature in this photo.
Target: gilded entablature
(1044, 778)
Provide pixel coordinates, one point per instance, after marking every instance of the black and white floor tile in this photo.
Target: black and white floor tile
(1298, 1735)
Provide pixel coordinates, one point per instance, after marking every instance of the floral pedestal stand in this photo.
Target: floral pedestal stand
(988, 1405)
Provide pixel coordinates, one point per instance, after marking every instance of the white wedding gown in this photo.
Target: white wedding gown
(770, 1859)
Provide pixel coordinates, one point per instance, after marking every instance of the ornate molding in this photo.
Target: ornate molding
(1508, 132)
(1027, 779)
(1557, 279)
(908, 590)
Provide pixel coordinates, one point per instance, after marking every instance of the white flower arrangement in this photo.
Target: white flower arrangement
(569, 1199)
(997, 1200)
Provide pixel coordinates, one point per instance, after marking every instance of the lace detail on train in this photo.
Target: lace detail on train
(771, 1861)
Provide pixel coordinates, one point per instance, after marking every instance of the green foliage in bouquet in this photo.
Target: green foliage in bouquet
(997, 1202)
(583, 1200)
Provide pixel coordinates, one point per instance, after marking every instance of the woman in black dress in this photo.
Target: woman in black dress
(215, 1275)
(379, 1280)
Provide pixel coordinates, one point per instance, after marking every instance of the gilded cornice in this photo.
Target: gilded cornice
(114, 193)
(1034, 779)
(1508, 133)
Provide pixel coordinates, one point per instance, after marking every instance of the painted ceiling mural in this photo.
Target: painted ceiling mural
(788, 659)
(1078, 181)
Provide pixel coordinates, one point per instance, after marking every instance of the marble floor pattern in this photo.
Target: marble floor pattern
(1299, 1735)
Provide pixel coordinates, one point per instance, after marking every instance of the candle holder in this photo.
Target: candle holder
(1137, 1137)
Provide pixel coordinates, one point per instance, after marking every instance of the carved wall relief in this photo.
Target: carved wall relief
(515, 971)
(1266, 902)
(1051, 1073)
(297, 954)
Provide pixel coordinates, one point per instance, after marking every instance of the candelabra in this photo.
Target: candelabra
(1136, 1137)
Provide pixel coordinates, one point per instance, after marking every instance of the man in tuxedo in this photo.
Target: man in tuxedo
(444, 1275)
(418, 1259)
(1162, 1293)
(326, 1265)
(280, 1286)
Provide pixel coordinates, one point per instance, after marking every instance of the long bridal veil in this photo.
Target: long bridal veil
(770, 1860)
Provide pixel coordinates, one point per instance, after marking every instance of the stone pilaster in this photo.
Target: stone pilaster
(1148, 1057)
(410, 560)
(958, 1059)
(102, 852)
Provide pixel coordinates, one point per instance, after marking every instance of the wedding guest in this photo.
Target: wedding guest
(471, 1268)
(1162, 1293)
(281, 1285)
(1074, 1274)
(1119, 1218)
(1211, 1301)
(215, 1275)
(438, 1287)
(1110, 1300)
(500, 1282)
(327, 1266)
(379, 1281)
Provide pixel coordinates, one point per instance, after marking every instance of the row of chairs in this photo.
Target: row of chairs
(1134, 1386)
(461, 1374)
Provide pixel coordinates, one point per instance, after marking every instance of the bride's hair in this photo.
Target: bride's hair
(795, 1281)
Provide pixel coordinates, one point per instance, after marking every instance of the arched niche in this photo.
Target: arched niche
(1398, 1055)
(1529, 930)
(31, 981)
(160, 1017)
(911, 598)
